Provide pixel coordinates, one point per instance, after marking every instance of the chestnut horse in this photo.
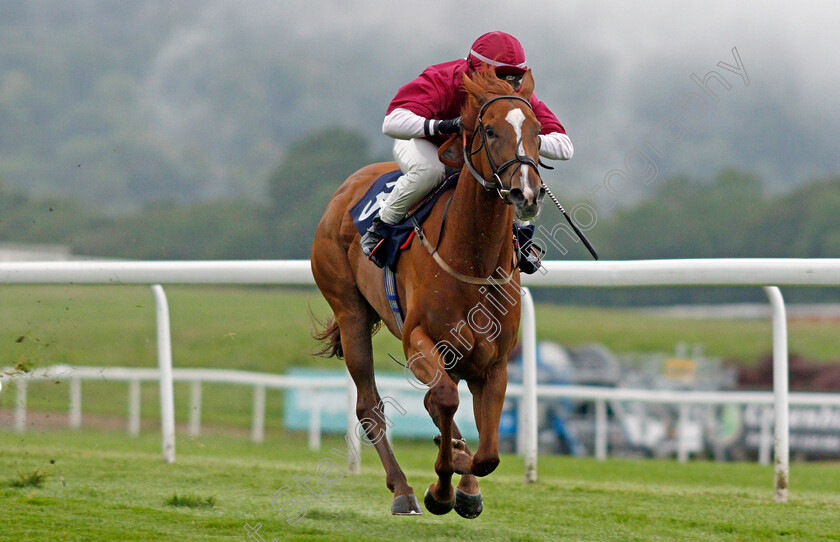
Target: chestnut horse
(455, 327)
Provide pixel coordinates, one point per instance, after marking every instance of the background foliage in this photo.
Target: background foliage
(733, 216)
(215, 129)
(126, 103)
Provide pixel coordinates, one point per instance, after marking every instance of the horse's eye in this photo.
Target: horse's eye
(490, 132)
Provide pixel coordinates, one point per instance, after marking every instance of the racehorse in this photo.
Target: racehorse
(461, 306)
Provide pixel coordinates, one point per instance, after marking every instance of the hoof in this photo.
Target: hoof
(468, 506)
(458, 444)
(406, 505)
(435, 506)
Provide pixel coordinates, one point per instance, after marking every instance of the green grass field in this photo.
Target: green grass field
(105, 486)
(102, 485)
(269, 329)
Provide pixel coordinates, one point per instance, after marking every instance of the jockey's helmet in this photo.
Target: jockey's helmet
(503, 52)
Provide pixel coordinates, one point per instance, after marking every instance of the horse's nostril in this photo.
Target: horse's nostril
(542, 194)
(516, 195)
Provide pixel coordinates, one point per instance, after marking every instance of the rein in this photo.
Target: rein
(495, 184)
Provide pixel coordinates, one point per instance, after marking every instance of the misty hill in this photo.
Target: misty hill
(122, 103)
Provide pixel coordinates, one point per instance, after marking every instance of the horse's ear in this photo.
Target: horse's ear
(527, 86)
(474, 90)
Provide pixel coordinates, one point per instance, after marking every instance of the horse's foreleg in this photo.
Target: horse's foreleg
(462, 456)
(488, 399)
(443, 402)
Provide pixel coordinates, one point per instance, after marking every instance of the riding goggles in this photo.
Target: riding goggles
(513, 79)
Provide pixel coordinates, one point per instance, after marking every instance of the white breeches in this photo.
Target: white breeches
(422, 171)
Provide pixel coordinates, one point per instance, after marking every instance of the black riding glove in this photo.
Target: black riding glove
(447, 127)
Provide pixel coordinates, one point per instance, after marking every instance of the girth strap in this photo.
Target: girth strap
(392, 296)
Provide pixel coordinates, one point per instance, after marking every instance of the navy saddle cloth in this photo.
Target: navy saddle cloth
(397, 236)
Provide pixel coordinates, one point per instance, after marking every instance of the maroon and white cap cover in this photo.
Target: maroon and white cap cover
(500, 50)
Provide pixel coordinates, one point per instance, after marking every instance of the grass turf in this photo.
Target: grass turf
(105, 486)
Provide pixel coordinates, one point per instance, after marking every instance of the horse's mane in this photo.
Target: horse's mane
(492, 86)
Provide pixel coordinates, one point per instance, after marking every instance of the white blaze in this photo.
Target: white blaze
(516, 118)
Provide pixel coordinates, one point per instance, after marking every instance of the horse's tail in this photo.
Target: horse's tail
(330, 336)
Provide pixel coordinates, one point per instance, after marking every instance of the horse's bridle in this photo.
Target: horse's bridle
(480, 129)
(496, 184)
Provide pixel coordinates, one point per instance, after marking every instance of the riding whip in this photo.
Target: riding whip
(579, 233)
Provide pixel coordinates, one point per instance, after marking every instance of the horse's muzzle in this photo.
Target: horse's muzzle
(526, 207)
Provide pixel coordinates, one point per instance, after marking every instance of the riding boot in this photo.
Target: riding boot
(371, 240)
(528, 252)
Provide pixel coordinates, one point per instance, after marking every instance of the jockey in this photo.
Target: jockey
(426, 111)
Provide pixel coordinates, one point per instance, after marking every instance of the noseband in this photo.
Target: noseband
(481, 130)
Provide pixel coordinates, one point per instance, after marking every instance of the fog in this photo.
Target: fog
(231, 83)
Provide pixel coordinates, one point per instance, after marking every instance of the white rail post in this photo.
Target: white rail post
(167, 395)
(780, 392)
(258, 420)
(20, 405)
(354, 445)
(134, 408)
(600, 429)
(682, 433)
(528, 401)
(195, 408)
(75, 403)
(315, 422)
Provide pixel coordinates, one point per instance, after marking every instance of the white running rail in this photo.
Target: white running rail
(769, 273)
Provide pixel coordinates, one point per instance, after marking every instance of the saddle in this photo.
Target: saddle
(398, 236)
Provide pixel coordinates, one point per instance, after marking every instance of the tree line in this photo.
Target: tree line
(124, 103)
(732, 216)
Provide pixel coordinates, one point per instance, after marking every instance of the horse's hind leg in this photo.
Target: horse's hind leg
(356, 318)
(358, 354)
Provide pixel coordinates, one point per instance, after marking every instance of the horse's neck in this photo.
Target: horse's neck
(478, 230)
